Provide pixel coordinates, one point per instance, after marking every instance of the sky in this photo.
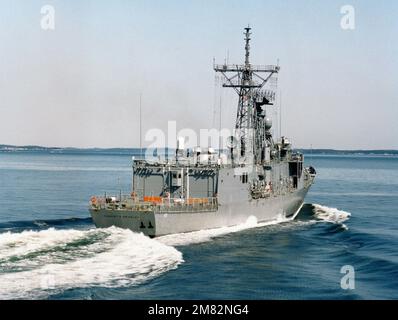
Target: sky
(79, 84)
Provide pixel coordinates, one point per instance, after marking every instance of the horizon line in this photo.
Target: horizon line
(138, 148)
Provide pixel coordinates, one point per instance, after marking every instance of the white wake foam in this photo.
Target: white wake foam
(331, 215)
(15, 244)
(193, 237)
(35, 264)
(121, 258)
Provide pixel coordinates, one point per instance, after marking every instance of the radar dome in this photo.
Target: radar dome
(267, 124)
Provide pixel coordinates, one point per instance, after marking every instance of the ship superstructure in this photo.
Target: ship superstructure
(202, 188)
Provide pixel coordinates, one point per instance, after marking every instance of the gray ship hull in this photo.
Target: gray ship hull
(230, 213)
(252, 175)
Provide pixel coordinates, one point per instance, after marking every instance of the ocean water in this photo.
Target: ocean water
(49, 248)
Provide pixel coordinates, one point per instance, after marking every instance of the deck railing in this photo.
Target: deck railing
(151, 203)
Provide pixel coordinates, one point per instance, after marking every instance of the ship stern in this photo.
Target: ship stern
(137, 221)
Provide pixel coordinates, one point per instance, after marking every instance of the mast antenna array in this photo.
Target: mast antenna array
(248, 80)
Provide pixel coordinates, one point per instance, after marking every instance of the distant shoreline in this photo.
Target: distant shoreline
(137, 151)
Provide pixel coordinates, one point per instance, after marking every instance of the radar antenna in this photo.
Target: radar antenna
(248, 83)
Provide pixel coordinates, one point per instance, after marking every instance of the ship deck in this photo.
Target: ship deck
(153, 204)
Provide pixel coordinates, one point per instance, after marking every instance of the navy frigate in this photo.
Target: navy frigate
(255, 175)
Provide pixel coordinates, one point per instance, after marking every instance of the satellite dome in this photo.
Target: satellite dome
(267, 124)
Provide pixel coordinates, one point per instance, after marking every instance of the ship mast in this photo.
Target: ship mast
(247, 82)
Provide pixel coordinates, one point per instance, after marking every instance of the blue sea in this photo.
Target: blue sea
(50, 249)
